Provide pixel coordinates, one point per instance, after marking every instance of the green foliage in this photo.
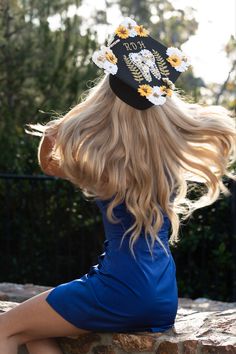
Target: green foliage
(48, 233)
(40, 69)
(204, 255)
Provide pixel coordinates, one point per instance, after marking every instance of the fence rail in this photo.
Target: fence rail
(49, 234)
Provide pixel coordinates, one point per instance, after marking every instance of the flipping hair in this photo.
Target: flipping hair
(108, 148)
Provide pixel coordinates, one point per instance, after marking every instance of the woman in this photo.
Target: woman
(135, 146)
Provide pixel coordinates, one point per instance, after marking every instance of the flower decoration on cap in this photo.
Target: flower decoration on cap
(177, 59)
(122, 32)
(145, 90)
(106, 59)
(141, 31)
(142, 69)
(168, 88)
(130, 28)
(157, 94)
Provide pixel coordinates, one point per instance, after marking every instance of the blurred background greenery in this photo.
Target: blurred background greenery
(48, 232)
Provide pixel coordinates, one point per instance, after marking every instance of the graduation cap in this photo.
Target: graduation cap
(142, 71)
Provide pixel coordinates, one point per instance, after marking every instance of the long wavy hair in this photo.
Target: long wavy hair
(110, 149)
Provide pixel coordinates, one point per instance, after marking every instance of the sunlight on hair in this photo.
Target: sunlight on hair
(145, 158)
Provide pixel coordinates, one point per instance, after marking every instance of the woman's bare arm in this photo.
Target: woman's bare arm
(48, 165)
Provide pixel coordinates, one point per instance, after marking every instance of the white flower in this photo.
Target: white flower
(105, 49)
(177, 59)
(110, 68)
(157, 90)
(156, 100)
(98, 58)
(130, 25)
(156, 97)
(102, 60)
(132, 33)
(174, 51)
(184, 65)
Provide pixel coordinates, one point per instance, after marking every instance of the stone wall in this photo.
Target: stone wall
(202, 326)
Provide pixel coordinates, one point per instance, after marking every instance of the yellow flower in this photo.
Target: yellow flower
(111, 57)
(122, 32)
(141, 31)
(167, 90)
(144, 90)
(174, 60)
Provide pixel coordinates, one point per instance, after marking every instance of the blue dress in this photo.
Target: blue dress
(121, 294)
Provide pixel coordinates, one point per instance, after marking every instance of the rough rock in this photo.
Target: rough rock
(20, 292)
(194, 333)
(4, 296)
(202, 326)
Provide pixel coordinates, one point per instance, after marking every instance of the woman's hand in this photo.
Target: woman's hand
(49, 165)
(45, 151)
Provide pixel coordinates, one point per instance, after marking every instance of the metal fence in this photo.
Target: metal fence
(50, 234)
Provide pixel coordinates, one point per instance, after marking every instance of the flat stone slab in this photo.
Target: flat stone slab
(20, 292)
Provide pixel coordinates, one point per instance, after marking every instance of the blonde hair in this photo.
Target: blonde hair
(108, 148)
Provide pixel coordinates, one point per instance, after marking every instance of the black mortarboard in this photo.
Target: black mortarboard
(142, 71)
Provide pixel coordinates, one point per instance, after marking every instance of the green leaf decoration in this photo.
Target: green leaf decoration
(161, 63)
(134, 70)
